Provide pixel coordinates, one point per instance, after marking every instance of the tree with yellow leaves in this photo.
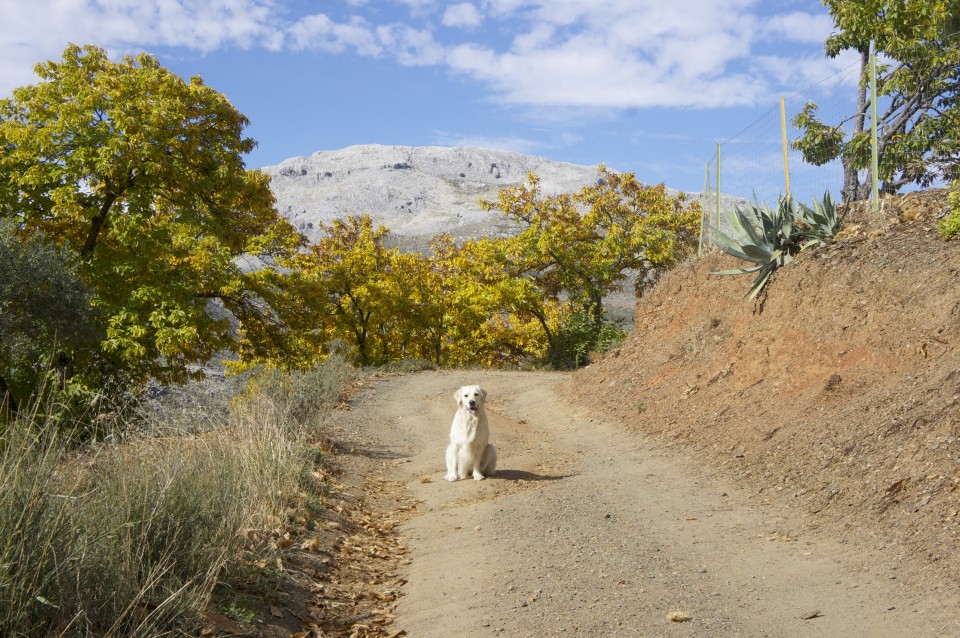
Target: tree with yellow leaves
(584, 246)
(141, 174)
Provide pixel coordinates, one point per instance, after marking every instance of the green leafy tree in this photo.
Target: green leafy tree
(918, 84)
(456, 305)
(481, 309)
(141, 174)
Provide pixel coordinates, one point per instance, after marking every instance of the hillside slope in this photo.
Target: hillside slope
(837, 393)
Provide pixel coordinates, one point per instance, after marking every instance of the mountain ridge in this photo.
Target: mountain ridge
(415, 191)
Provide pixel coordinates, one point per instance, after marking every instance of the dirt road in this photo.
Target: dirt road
(587, 530)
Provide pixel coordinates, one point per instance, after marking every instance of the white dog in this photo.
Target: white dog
(469, 451)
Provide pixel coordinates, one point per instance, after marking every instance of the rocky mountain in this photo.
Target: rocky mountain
(417, 192)
(420, 191)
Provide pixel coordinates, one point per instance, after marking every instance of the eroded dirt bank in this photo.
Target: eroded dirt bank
(836, 394)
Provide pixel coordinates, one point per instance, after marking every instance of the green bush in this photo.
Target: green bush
(950, 225)
(580, 336)
(49, 334)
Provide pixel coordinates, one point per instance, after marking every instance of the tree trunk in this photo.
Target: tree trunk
(853, 189)
(96, 225)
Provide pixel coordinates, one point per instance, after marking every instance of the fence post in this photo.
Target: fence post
(717, 226)
(874, 149)
(783, 131)
(703, 207)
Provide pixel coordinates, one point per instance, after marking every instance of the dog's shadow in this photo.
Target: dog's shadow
(522, 475)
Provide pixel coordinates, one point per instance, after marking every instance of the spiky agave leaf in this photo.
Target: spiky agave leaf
(820, 223)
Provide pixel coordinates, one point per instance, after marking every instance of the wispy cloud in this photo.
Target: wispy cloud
(40, 29)
(321, 33)
(516, 144)
(463, 14)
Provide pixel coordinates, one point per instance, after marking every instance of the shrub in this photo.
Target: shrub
(579, 336)
(47, 327)
(950, 225)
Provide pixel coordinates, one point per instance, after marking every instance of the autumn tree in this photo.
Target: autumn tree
(345, 279)
(586, 245)
(918, 87)
(141, 174)
(481, 310)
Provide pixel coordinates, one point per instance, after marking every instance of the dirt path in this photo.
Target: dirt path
(587, 530)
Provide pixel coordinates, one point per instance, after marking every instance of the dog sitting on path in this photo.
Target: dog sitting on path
(469, 452)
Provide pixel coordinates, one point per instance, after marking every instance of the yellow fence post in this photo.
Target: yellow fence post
(783, 130)
(874, 149)
(718, 187)
(703, 207)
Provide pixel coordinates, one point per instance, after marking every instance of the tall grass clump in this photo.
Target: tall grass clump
(37, 547)
(130, 538)
(300, 397)
(127, 541)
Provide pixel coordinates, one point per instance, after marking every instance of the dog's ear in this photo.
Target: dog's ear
(458, 395)
(483, 395)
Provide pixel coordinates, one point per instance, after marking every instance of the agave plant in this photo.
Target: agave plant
(769, 238)
(820, 223)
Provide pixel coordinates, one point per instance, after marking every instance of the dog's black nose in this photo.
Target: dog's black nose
(473, 403)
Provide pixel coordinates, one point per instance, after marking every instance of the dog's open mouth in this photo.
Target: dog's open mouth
(472, 409)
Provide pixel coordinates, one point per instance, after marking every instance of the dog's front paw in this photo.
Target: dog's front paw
(477, 476)
(451, 477)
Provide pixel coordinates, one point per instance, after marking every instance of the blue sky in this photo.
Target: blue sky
(646, 86)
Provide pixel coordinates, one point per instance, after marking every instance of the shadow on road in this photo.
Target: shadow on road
(521, 475)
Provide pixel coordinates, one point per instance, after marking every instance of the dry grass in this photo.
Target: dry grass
(129, 539)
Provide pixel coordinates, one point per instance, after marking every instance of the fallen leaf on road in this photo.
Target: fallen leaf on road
(223, 623)
(679, 616)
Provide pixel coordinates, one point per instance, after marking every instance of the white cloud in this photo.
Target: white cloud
(463, 14)
(411, 47)
(40, 29)
(320, 32)
(801, 73)
(553, 54)
(799, 27)
(620, 53)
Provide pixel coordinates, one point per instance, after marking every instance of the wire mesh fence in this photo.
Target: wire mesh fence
(760, 165)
